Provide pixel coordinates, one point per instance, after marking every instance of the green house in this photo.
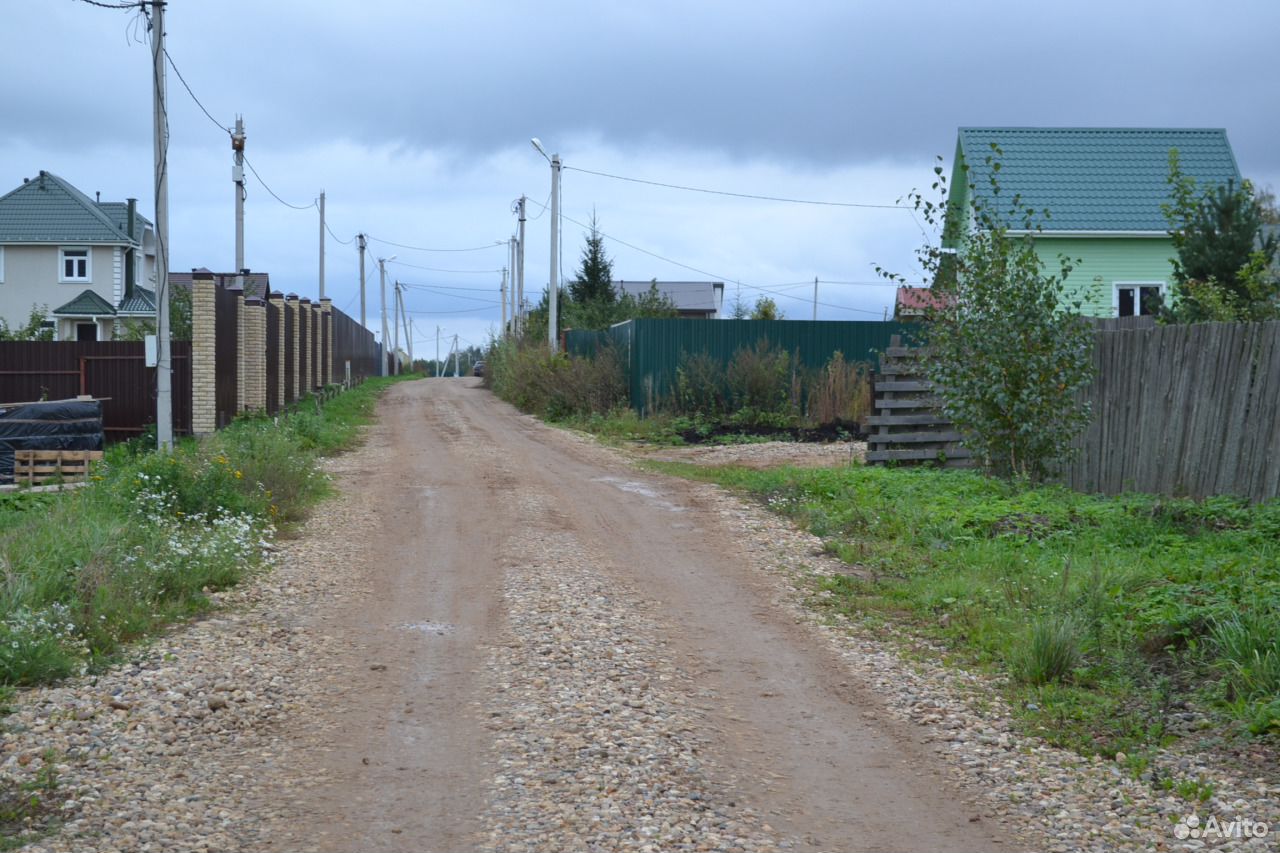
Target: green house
(1103, 188)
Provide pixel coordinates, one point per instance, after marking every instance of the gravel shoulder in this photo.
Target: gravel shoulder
(502, 636)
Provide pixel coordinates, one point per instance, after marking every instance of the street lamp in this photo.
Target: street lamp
(382, 277)
(553, 339)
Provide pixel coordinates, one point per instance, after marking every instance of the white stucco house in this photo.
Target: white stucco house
(87, 264)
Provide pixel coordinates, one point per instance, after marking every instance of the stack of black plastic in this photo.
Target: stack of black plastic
(53, 425)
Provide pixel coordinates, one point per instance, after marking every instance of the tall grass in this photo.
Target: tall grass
(85, 571)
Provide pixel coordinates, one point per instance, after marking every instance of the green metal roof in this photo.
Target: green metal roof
(87, 304)
(1093, 179)
(142, 301)
(47, 209)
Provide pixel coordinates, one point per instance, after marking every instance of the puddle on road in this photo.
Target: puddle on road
(641, 489)
(437, 628)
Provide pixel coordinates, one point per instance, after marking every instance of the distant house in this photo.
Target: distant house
(86, 260)
(254, 283)
(1103, 188)
(914, 303)
(700, 300)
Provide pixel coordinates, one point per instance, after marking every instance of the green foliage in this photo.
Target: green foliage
(33, 330)
(146, 541)
(1008, 357)
(556, 387)
(1049, 652)
(594, 281)
(764, 385)
(1105, 611)
(766, 309)
(1224, 269)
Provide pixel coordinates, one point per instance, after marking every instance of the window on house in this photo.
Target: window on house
(1134, 299)
(75, 265)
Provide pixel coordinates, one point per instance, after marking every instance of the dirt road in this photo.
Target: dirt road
(551, 650)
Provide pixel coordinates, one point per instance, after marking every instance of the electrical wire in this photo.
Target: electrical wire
(336, 237)
(437, 269)
(187, 86)
(719, 277)
(273, 192)
(425, 249)
(449, 287)
(100, 5)
(429, 289)
(736, 195)
(460, 311)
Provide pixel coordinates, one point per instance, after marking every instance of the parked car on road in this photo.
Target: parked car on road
(477, 369)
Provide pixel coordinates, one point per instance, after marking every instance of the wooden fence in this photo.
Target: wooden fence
(908, 425)
(1187, 410)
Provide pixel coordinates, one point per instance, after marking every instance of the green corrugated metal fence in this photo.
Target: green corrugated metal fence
(652, 349)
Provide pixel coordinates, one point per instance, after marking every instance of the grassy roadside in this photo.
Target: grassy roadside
(86, 571)
(1121, 623)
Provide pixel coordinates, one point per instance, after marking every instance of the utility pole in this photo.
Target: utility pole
(363, 321)
(160, 124)
(815, 298)
(408, 331)
(504, 299)
(382, 275)
(322, 244)
(237, 177)
(519, 287)
(553, 335)
(395, 321)
(436, 371)
(455, 356)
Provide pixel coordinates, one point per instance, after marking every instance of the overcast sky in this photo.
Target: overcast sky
(415, 117)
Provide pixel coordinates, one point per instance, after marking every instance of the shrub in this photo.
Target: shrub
(763, 386)
(1050, 653)
(700, 386)
(559, 386)
(839, 393)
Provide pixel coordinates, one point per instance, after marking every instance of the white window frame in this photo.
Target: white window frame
(1117, 285)
(62, 265)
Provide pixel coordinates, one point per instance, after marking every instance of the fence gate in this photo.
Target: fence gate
(909, 424)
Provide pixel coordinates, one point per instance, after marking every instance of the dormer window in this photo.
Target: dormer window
(74, 265)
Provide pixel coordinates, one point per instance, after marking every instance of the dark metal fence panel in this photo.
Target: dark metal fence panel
(113, 371)
(226, 354)
(654, 349)
(273, 357)
(353, 343)
(1184, 410)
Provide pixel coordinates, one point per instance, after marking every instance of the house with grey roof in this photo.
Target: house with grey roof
(700, 300)
(1103, 189)
(90, 264)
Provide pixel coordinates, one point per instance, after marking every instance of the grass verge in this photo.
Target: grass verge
(1121, 624)
(85, 571)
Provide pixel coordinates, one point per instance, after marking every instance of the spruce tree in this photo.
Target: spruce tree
(594, 280)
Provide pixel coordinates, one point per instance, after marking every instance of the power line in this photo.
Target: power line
(735, 195)
(425, 249)
(273, 192)
(722, 278)
(336, 237)
(451, 295)
(450, 287)
(437, 269)
(187, 86)
(460, 311)
(100, 5)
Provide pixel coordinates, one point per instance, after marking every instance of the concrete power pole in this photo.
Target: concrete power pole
(553, 337)
(322, 244)
(455, 356)
(396, 313)
(436, 371)
(237, 177)
(408, 330)
(363, 320)
(382, 275)
(815, 298)
(505, 331)
(160, 124)
(519, 286)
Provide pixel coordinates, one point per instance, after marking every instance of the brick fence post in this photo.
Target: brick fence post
(326, 358)
(305, 348)
(295, 314)
(204, 347)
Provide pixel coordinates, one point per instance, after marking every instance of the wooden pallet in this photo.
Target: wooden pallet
(909, 424)
(41, 467)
